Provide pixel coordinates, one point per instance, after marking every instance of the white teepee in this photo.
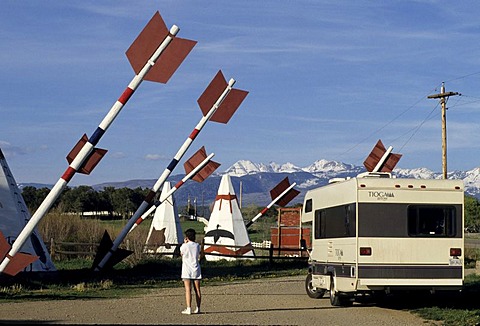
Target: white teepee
(226, 226)
(14, 215)
(165, 231)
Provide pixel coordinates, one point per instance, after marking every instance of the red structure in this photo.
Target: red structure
(289, 231)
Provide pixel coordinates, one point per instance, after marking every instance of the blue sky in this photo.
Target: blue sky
(326, 80)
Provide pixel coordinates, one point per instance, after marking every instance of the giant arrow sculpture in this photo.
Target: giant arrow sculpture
(281, 194)
(218, 103)
(381, 159)
(198, 168)
(154, 55)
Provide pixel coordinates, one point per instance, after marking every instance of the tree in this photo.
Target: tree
(472, 214)
(29, 194)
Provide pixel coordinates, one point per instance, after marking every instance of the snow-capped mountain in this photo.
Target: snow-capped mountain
(257, 179)
(324, 169)
(244, 167)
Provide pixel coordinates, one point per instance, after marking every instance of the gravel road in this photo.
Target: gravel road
(273, 301)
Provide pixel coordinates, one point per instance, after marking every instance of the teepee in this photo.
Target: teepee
(14, 215)
(165, 232)
(226, 226)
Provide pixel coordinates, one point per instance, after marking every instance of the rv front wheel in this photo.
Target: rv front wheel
(336, 299)
(312, 291)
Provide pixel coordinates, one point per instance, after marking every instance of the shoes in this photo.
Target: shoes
(188, 311)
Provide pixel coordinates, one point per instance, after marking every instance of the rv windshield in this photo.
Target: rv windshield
(431, 221)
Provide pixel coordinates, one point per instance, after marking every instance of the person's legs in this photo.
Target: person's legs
(188, 295)
(198, 294)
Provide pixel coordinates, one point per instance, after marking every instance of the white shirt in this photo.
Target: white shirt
(190, 252)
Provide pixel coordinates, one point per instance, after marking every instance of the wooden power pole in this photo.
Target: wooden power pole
(443, 96)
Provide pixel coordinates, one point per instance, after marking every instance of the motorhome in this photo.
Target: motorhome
(375, 233)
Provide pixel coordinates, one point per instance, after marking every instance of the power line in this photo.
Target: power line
(416, 129)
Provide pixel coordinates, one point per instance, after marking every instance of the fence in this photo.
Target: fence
(264, 250)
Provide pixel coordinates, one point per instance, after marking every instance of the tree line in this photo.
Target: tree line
(116, 202)
(124, 201)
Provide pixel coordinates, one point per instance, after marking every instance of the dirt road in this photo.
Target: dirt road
(278, 301)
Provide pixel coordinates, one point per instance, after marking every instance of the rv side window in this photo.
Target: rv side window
(335, 222)
(308, 205)
(319, 224)
(434, 221)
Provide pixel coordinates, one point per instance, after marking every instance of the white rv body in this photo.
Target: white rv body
(378, 233)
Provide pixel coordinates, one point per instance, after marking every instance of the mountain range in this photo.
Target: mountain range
(257, 179)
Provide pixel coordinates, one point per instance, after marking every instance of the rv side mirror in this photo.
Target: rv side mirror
(303, 244)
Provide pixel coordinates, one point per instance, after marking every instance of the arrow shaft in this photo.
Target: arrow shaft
(132, 223)
(85, 151)
(171, 191)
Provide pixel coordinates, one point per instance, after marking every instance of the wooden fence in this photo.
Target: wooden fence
(59, 250)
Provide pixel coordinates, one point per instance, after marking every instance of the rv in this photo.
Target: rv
(378, 234)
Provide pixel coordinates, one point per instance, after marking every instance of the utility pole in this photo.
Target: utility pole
(443, 96)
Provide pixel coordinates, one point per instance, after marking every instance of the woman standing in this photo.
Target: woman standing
(191, 271)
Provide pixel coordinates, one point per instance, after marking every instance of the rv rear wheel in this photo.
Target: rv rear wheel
(336, 299)
(312, 291)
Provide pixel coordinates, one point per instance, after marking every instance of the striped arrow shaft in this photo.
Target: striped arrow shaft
(270, 205)
(169, 193)
(80, 158)
(166, 173)
(132, 223)
(183, 149)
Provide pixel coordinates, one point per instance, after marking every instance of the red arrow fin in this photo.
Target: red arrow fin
(206, 171)
(147, 43)
(17, 262)
(279, 189)
(170, 60)
(212, 92)
(391, 162)
(229, 105)
(375, 156)
(92, 160)
(195, 160)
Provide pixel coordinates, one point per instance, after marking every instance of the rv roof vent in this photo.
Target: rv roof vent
(374, 175)
(334, 180)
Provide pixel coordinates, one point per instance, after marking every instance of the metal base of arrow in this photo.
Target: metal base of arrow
(117, 256)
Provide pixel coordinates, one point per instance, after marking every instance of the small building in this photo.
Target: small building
(289, 232)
